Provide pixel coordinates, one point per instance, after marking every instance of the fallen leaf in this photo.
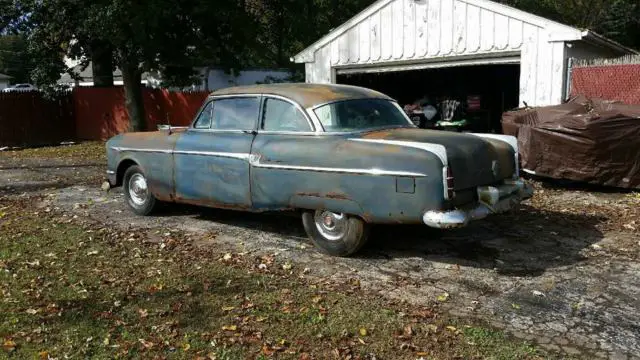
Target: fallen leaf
(408, 330)
(227, 257)
(143, 313)
(9, 345)
(443, 297)
(32, 311)
(286, 266)
(361, 341)
(363, 332)
(186, 346)
(44, 355)
(146, 344)
(451, 328)
(538, 293)
(228, 308)
(230, 328)
(515, 306)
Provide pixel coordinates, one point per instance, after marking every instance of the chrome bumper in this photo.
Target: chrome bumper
(492, 200)
(111, 178)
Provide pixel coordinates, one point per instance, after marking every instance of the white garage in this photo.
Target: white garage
(477, 48)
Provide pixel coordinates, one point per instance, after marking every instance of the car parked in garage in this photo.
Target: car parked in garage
(345, 157)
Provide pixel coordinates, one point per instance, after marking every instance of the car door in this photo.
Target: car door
(285, 139)
(212, 157)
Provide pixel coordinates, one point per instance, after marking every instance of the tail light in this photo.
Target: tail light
(448, 182)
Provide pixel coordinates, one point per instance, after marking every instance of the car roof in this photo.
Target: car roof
(307, 95)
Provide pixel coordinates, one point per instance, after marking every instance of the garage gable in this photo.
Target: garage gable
(417, 29)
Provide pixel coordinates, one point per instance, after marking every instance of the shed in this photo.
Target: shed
(478, 48)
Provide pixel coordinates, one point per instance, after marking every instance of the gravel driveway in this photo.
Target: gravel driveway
(563, 270)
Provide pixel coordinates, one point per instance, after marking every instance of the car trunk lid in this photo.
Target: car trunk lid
(473, 160)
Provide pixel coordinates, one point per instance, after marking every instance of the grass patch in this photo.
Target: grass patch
(79, 290)
(90, 151)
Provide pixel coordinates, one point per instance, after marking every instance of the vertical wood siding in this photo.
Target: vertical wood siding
(430, 29)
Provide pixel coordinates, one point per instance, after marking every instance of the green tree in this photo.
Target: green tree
(616, 19)
(134, 35)
(14, 58)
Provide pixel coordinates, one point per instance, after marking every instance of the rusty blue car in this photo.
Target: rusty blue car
(343, 157)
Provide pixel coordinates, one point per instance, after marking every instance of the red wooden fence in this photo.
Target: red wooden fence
(101, 113)
(87, 114)
(28, 118)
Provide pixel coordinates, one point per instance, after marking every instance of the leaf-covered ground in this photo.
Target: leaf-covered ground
(84, 152)
(77, 289)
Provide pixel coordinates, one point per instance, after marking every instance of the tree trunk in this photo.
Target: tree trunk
(102, 64)
(131, 76)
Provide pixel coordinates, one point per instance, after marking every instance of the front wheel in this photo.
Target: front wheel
(334, 233)
(137, 193)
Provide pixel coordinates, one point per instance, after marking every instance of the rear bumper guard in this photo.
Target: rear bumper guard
(492, 200)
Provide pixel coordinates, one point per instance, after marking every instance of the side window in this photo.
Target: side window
(280, 115)
(235, 113)
(204, 119)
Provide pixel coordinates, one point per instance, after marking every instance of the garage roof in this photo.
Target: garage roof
(558, 32)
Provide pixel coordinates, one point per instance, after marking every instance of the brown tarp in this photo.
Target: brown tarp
(587, 140)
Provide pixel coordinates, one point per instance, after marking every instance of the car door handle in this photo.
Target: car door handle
(252, 132)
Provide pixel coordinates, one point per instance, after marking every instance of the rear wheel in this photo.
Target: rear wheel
(136, 191)
(335, 234)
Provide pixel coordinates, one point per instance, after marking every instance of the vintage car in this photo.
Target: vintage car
(344, 157)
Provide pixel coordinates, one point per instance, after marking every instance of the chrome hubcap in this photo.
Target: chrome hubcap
(331, 225)
(138, 191)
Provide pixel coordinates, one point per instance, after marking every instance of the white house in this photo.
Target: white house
(211, 78)
(4, 81)
(394, 45)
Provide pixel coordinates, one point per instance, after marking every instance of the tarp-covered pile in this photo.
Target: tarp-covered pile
(588, 140)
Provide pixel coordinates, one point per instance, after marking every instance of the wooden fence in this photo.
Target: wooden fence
(87, 114)
(28, 118)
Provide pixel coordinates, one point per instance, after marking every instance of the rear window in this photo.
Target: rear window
(361, 114)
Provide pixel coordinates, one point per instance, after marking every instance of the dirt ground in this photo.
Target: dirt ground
(562, 270)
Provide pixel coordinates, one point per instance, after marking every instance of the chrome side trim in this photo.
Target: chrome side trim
(240, 156)
(110, 172)
(255, 162)
(439, 150)
(275, 132)
(162, 151)
(227, 131)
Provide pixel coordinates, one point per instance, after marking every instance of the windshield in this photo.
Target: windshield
(362, 114)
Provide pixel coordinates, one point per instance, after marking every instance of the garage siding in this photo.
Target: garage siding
(446, 30)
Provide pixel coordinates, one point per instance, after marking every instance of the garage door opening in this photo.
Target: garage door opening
(466, 98)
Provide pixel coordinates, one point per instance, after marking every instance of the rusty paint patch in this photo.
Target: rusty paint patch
(307, 95)
(313, 194)
(338, 196)
(383, 134)
(214, 204)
